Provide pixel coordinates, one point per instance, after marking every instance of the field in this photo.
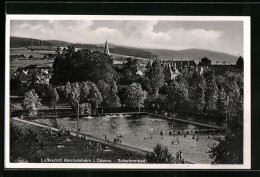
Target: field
(38, 57)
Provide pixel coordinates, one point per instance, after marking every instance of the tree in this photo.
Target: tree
(23, 56)
(15, 83)
(89, 93)
(114, 99)
(128, 72)
(45, 92)
(82, 65)
(67, 89)
(58, 50)
(109, 92)
(229, 150)
(54, 98)
(162, 100)
(30, 57)
(12, 108)
(135, 96)
(104, 89)
(197, 91)
(205, 62)
(211, 93)
(74, 96)
(122, 89)
(155, 77)
(240, 62)
(235, 107)
(177, 93)
(222, 101)
(160, 154)
(31, 102)
(84, 95)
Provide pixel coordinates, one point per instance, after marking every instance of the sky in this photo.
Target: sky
(221, 36)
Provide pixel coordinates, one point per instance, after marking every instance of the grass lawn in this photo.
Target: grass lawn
(74, 149)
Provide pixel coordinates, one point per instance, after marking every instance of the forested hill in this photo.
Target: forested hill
(189, 54)
(59, 43)
(16, 42)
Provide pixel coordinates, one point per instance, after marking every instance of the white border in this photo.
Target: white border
(247, 93)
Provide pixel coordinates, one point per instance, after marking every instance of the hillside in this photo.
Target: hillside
(59, 43)
(189, 54)
(192, 54)
(16, 42)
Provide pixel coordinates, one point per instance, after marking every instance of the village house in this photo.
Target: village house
(41, 74)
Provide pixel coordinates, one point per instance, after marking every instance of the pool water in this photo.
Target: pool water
(143, 131)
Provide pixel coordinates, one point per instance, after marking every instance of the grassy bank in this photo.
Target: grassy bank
(75, 150)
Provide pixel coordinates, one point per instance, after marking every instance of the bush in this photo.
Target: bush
(160, 154)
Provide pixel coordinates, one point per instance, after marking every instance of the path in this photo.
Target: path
(188, 121)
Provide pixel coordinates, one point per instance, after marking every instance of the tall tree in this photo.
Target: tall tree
(135, 96)
(109, 92)
(90, 94)
(54, 98)
(31, 102)
(155, 77)
(240, 62)
(128, 72)
(58, 50)
(177, 93)
(222, 101)
(84, 94)
(211, 93)
(67, 89)
(197, 91)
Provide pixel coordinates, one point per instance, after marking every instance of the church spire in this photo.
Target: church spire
(106, 50)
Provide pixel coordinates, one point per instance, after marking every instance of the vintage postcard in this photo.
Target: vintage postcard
(127, 92)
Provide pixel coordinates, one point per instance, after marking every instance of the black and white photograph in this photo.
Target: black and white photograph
(127, 92)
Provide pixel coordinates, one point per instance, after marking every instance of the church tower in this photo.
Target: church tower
(106, 50)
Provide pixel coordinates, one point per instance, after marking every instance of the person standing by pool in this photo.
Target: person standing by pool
(180, 154)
